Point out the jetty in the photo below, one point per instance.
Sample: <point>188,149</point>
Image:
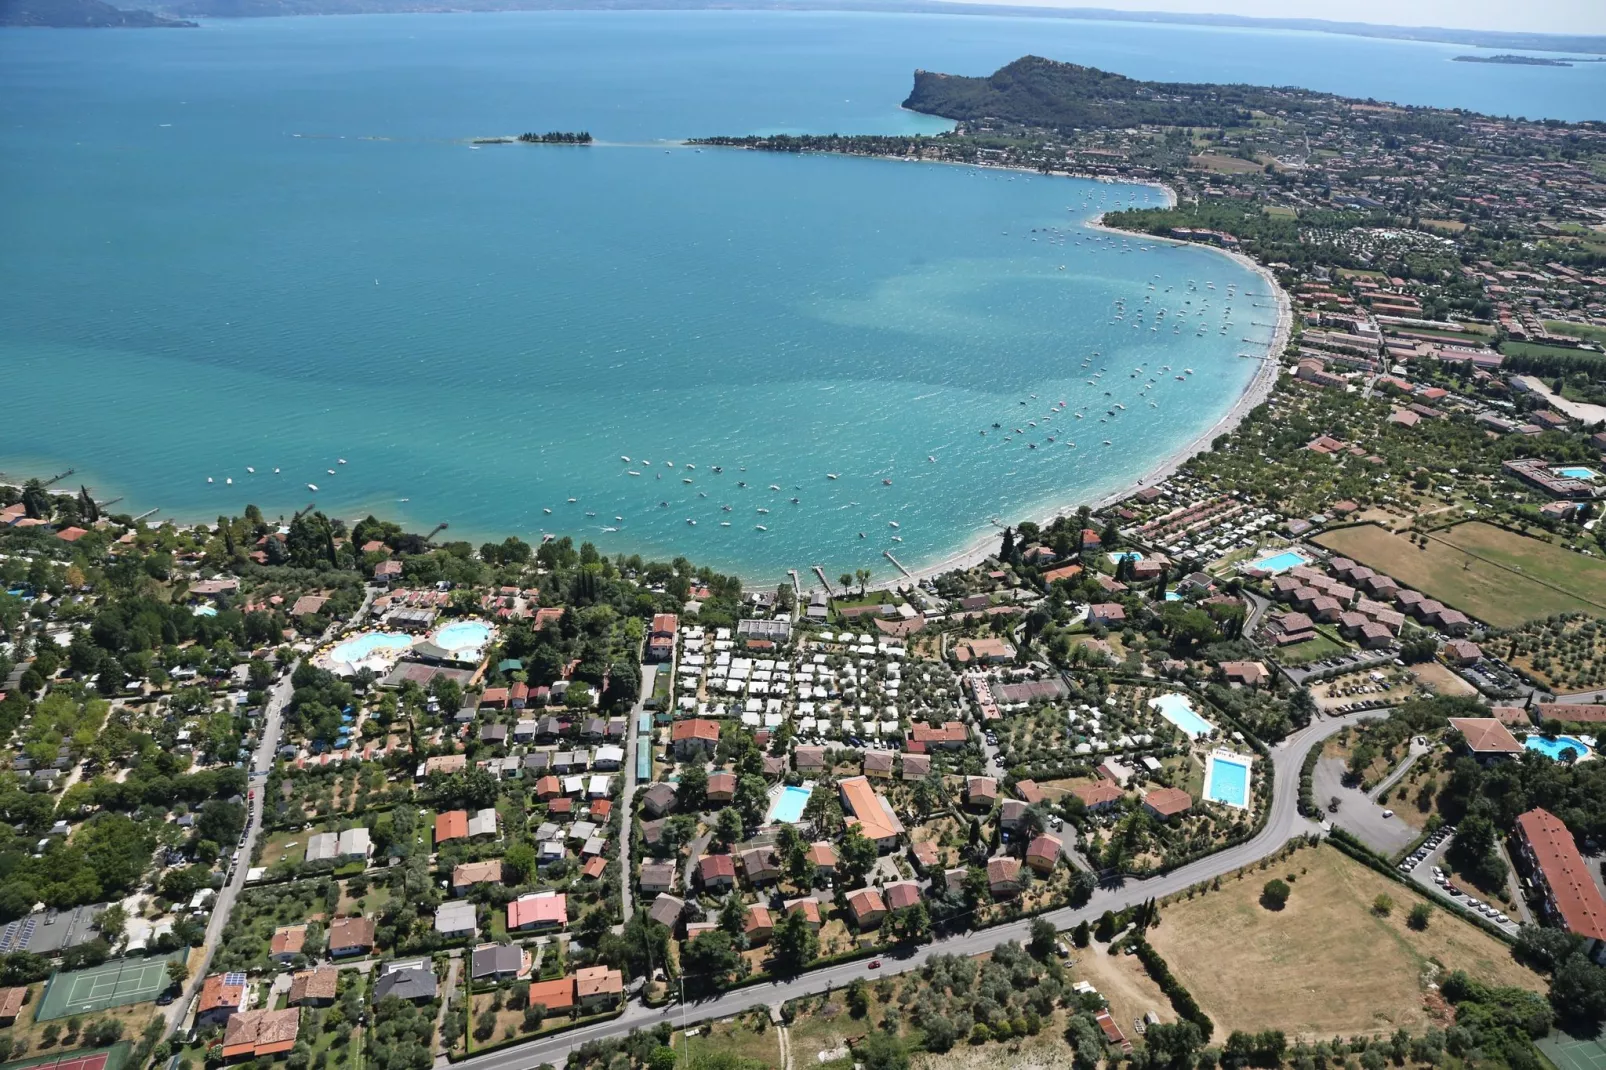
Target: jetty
<point>797,588</point>
<point>820,572</point>
<point>147,513</point>
<point>897,564</point>
<point>53,480</point>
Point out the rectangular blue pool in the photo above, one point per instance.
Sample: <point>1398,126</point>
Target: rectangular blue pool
<point>1280,562</point>
<point>1577,472</point>
<point>1227,780</point>
<point>788,806</point>
<point>1180,712</point>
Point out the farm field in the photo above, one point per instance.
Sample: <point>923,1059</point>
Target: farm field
<point>1325,964</point>
<point>1486,572</point>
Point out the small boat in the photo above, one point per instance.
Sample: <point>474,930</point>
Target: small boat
<point>724,523</point>
<point>794,501</point>
<point>340,460</point>
<point>690,521</point>
<point>625,459</point>
<point>404,499</point>
<point>685,481</point>
<point>693,467</point>
<point>229,481</point>
<point>861,535</point>
<point>886,482</point>
<point>632,473</point>
<point>763,510</point>
<point>310,486</point>
<point>930,458</point>
<point>253,471</point>
<point>1107,442</point>
<point>831,475</point>
<point>209,479</point>
<point>331,471</point>
<point>590,514</point>
<point>573,500</point>
<point>774,486</point>
<point>892,523</point>
<point>548,512</point>
<point>716,468</point>
<point>726,508</point>
<point>275,471</point>
<point>605,530</point>
<point>897,538</point>
<point>760,527</point>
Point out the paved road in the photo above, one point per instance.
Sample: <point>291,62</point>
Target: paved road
<point>1416,751</point>
<point>649,676</point>
<point>1283,824</point>
<point>261,762</point>
<point>261,765</point>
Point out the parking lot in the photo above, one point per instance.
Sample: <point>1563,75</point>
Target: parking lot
<point>1425,866</point>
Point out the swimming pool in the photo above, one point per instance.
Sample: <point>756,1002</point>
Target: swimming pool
<point>787,809</point>
<point>463,637</point>
<point>1577,472</point>
<point>382,646</point>
<point>1553,748</point>
<point>1227,780</point>
<point>1180,712</point>
<point>1125,555</point>
<point>1172,596</point>
<point>204,611</point>
<point>1280,562</point>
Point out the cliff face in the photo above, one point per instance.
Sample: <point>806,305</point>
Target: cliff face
<point>1034,91</point>
<point>80,14</point>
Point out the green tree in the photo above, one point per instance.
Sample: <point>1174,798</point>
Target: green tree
<point>856,856</point>
<point>795,943</point>
<point>1419,916</point>
<point>1044,937</point>
<point>1274,896</point>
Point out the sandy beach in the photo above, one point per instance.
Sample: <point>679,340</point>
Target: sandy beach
<point>1255,392</point>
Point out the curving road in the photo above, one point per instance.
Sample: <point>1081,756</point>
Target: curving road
<point>1282,825</point>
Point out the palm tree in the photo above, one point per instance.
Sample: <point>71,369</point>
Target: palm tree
<point>863,576</point>
<point>844,581</point>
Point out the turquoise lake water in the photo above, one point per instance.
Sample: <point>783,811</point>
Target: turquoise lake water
<point>190,288</point>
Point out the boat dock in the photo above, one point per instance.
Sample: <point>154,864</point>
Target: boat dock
<point>147,513</point>
<point>820,572</point>
<point>897,564</point>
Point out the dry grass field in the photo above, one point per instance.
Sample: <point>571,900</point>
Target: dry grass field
<point>1325,964</point>
<point>1484,571</point>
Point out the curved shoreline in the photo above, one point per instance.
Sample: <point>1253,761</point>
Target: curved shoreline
<point>1255,392</point>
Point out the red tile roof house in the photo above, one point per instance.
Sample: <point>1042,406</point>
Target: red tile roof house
<point>822,856</point>
<point>950,735</point>
<point>661,637</point>
<point>288,940</point>
<point>758,925</point>
<point>866,907</point>
<point>980,792</point>
<point>901,895</point>
<point>1106,614</point>
<point>721,787</point>
<point>1167,802</point>
<point>1247,673</point>
<point>1043,853</point>
<point>538,910</point>
<point>694,737</point>
<point>760,865</point>
<point>452,825</point>
<point>1486,738</point>
<point>350,936</point>
<point>1003,877</point>
<point>1561,877</point>
<point>1462,652</point>
<point>1100,796</point>
<point>809,907</point>
<point>219,1001</point>
<point>716,872</point>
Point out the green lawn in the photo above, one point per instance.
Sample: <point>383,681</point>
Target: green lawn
<point>1325,645</point>
<point>1534,349</point>
<point>1585,331</point>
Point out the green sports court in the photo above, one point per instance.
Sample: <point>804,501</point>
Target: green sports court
<point>1570,1053</point>
<point>111,984</point>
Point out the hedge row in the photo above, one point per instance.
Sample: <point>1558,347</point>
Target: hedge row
<point>1182,1000</point>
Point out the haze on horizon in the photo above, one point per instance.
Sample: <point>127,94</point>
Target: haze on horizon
<point>1535,16</point>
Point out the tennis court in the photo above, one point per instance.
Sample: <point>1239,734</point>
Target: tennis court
<point>112,984</point>
<point>1571,1053</point>
<point>111,1058</point>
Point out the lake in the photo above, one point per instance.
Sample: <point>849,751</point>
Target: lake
<point>267,244</point>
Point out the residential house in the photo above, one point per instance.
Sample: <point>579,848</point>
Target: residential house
<point>1562,879</point>
<point>1165,803</point>
<point>314,988</point>
<point>497,962</point>
<point>1003,877</point>
<point>411,980</point>
<point>222,996</point>
<point>467,875</point>
<point>696,737</point>
<point>870,812</point>
<point>287,942</point>
<point>538,911</point>
<point>866,907</point>
<point>716,873</point>
<point>258,1034</point>
<point>657,877</point>
<point>1486,738</point>
<point>455,919</point>
<point>1043,853</point>
<point>598,987</point>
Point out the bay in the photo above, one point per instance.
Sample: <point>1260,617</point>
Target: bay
<point>268,244</point>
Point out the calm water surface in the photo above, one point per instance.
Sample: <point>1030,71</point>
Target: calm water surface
<point>266,243</point>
